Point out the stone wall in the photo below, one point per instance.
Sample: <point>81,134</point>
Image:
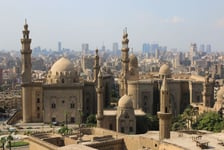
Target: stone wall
<point>37,144</point>
<point>68,141</point>
<point>167,146</point>
<point>109,145</point>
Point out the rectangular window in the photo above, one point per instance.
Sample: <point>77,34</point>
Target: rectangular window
<point>72,105</point>
<point>53,105</point>
<point>72,119</point>
<point>38,100</point>
<point>111,127</point>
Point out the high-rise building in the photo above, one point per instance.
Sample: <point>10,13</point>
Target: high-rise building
<point>193,52</point>
<point>85,48</point>
<point>59,46</point>
<point>153,48</point>
<point>145,48</point>
<point>202,48</point>
<point>115,49</point>
<point>208,48</point>
<point>103,48</point>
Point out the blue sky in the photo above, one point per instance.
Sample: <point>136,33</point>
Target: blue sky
<point>171,23</point>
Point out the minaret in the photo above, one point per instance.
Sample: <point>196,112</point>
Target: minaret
<point>99,91</point>
<point>165,113</point>
<point>208,92</point>
<point>125,62</point>
<point>96,67</point>
<point>26,55</point>
<point>26,75</point>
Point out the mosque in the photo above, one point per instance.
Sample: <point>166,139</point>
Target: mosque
<point>63,97</point>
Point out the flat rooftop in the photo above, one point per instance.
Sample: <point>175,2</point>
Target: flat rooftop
<point>215,141</point>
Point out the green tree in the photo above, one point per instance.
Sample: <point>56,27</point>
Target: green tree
<point>9,139</point>
<point>152,122</point>
<point>178,123</point>
<point>64,130</point>
<point>147,122</point>
<point>3,141</point>
<point>210,121</point>
<point>91,119</point>
<point>185,120</point>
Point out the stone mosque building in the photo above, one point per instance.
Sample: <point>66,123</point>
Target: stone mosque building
<point>63,97</point>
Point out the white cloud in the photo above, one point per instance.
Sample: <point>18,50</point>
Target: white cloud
<point>174,20</point>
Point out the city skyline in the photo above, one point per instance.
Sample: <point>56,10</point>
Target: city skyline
<point>174,23</point>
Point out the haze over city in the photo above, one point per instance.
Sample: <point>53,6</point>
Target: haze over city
<point>172,23</point>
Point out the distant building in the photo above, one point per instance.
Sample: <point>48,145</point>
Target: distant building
<point>208,48</point>
<point>87,63</point>
<point>145,48</point>
<point>115,49</point>
<point>85,48</point>
<point>1,75</point>
<point>193,52</point>
<point>202,48</point>
<point>153,48</point>
<point>59,46</point>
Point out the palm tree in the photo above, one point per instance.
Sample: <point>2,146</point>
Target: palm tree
<point>3,141</point>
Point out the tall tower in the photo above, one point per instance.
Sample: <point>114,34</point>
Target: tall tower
<point>125,62</point>
<point>208,92</point>
<point>59,46</point>
<point>26,75</point>
<point>96,67</point>
<point>165,113</point>
<point>193,52</point>
<point>99,91</point>
<point>26,55</point>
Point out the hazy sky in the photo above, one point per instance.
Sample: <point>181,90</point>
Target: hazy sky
<point>174,23</point>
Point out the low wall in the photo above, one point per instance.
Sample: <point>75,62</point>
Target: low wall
<point>37,144</point>
<point>111,144</point>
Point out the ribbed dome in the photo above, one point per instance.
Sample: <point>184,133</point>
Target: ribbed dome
<point>125,102</point>
<point>164,70</point>
<point>62,65</point>
<point>133,61</point>
<point>220,94</point>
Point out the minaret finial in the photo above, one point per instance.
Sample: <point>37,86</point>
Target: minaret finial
<point>25,21</point>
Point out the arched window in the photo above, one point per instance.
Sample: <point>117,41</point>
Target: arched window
<point>62,80</point>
